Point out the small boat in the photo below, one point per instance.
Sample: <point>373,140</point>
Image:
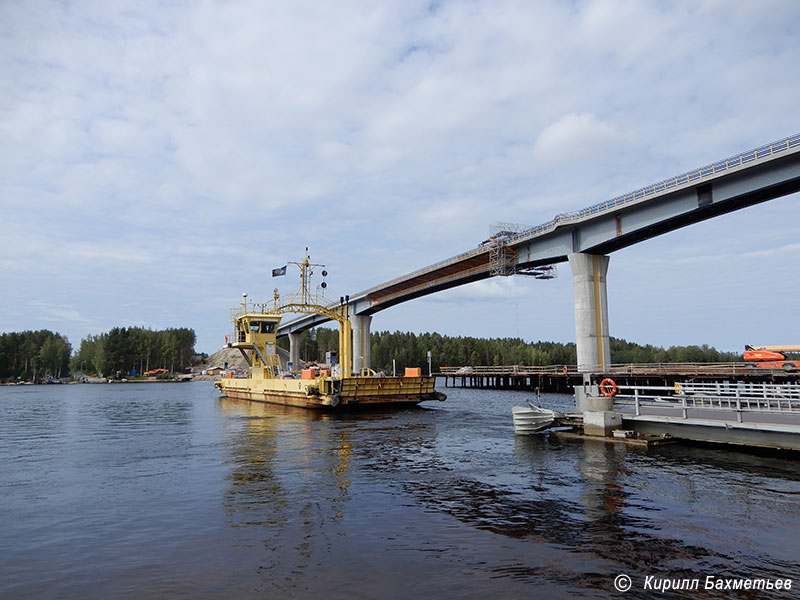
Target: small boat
<point>530,419</point>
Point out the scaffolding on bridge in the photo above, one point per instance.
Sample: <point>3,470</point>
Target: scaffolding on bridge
<point>503,257</point>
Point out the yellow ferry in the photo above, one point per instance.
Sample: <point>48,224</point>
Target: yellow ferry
<point>255,335</point>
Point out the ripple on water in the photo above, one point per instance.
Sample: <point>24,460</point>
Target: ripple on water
<point>166,490</point>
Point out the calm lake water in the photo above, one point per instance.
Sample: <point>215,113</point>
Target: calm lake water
<point>168,491</point>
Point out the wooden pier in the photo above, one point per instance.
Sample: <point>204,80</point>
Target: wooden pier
<point>514,377</point>
<point>563,378</point>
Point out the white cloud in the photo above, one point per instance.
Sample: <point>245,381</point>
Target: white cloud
<point>575,137</point>
<point>214,138</point>
<point>64,315</point>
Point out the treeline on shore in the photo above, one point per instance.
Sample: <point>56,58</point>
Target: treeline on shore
<point>41,355</point>
<point>411,350</point>
<point>34,355</point>
<point>130,350</point>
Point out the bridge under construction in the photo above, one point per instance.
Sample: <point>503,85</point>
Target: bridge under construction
<point>585,238</point>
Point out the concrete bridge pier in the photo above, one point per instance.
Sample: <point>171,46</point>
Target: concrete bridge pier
<point>294,349</point>
<point>361,342</point>
<point>592,341</point>
<point>591,311</point>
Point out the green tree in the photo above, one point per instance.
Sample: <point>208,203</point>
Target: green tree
<point>33,355</point>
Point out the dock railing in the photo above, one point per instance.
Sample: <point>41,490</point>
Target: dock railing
<point>507,370</point>
<point>739,397</point>
<point>684,369</point>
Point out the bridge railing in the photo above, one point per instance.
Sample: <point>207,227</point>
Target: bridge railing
<point>744,158</point>
<point>428,269</point>
<point>732,162</point>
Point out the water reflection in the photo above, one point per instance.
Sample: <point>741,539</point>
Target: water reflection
<point>544,509</point>
<point>289,483</point>
<point>169,491</point>
<point>601,465</point>
<point>582,509</point>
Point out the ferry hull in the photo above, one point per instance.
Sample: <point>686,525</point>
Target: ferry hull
<point>334,394</point>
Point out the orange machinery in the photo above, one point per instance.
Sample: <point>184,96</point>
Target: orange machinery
<point>772,355</point>
<point>155,372</point>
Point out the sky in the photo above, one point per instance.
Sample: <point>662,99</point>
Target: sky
<point>159,159</point>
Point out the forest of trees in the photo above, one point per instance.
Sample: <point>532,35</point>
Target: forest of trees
<point>29,355</point>
<point>128,349</point>
<point>41,355</point>
<point>410,350</point>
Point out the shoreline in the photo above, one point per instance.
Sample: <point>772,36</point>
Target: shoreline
<point>97,380</point>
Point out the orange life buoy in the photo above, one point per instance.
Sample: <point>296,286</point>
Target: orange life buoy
<point>565,369</point>
<point>608,388</point>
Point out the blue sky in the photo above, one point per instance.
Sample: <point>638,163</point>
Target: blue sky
<point>159,159</point>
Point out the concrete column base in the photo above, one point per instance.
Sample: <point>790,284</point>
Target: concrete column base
<point>601,423</point>
<point>294,350</point>
<point>361,342</point>
<point>599,403</point>
<point>591,311</point>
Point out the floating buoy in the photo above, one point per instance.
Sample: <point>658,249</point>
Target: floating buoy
<point>608,388</point>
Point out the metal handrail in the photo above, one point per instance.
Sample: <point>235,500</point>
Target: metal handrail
<point>686,368</point>
<point>737,397</point>
<point>741,389</point>
<point>508,370</point>
<point>615,370</point>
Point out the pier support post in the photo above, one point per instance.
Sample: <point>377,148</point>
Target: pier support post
<point>591,311</point>
<point>294,350</point>
<point>361,342</point>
